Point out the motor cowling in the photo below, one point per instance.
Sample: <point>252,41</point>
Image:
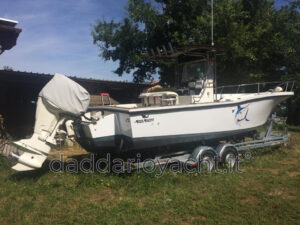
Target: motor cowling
<point>60,100</point>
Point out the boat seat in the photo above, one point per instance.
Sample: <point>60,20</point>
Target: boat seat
<point>163,98</point>
<point>169,101</point>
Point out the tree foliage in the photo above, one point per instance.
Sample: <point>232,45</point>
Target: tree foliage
<point>7,68</point>
<point>261,42</point>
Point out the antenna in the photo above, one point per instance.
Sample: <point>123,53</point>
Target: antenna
<point>212,23</point>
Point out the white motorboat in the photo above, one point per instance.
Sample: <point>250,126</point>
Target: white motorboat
<point>198,112</point>
<point>133,127</point>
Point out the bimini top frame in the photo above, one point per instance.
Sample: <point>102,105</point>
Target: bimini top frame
<point>180,54</point>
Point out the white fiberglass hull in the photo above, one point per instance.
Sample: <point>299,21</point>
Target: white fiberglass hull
<point>142,128</point>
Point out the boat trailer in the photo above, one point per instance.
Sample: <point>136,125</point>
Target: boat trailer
<point>227,153</point>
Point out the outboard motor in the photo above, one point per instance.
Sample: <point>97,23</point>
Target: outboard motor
<point>60,100</point>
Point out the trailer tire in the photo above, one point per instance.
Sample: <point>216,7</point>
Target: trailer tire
<point>229,157</point>
<point>207,161</point>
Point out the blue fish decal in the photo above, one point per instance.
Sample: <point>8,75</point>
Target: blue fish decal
<point>241,114</point>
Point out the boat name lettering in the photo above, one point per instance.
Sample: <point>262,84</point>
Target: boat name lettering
<point>149,120</point>
<point>145,120</point>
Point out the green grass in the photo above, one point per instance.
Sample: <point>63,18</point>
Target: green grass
<point>267,192</point>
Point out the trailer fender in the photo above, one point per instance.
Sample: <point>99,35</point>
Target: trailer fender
<point>200,151</point>
<point>205,157</point>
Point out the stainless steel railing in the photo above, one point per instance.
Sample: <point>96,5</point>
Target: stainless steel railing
<point>286,86</point>
<point>255,87</point>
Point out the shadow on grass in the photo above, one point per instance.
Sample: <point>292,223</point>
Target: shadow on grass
<point>32,174</point>
<point>266,151</point>
<point>36,174</point>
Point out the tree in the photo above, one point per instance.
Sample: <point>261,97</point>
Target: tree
<point>287,53</point>
<point>261,42</point>
<point>149,25</point>
<point>7,68</point>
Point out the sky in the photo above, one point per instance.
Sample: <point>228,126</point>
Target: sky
<point>56,36</point>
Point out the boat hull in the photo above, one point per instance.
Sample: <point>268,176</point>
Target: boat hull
<point>123,130</point>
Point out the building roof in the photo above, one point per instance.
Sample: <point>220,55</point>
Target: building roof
<point>8,34</point>
<point>7,22</point>
<point>20,76</point>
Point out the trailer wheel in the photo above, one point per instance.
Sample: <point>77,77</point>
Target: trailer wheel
<point>207,161</point>
<point>229,157</point>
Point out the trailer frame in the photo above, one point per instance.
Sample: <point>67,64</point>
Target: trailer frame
<point>226,152</point>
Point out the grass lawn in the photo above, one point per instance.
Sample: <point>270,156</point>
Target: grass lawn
<point>267,192</point>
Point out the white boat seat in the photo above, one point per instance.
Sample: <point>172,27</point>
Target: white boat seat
<point>159,98</point>
<point>169,101</point>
